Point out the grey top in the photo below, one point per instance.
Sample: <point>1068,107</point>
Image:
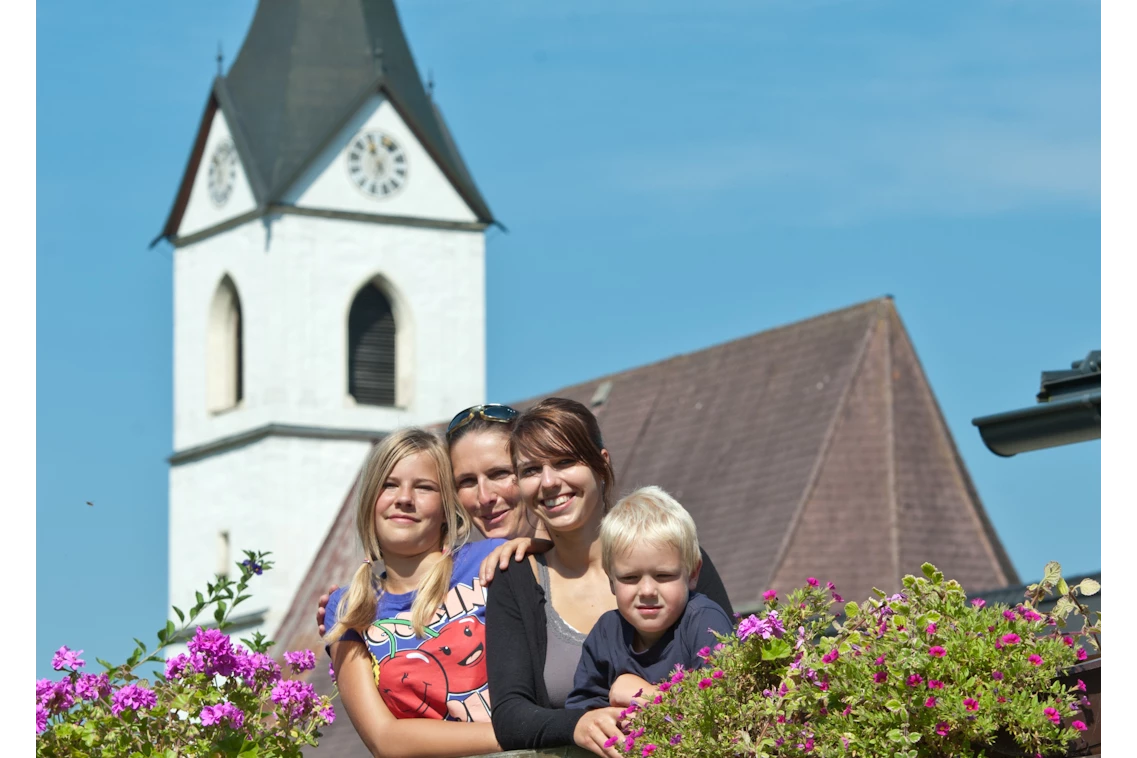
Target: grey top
<point>564,645</point>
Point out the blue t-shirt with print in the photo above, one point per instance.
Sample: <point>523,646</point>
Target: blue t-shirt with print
<point>441,675</point>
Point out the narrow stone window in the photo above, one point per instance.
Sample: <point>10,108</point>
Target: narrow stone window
<point>371,348</point>
<point>224,360</point>
<point>223,557</point>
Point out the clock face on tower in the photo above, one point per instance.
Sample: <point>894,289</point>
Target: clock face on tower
<point>222,172</point>
<point>376,164</point>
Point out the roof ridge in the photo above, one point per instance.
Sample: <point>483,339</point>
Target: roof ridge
<point>826,445</point>
<point>863,305</point>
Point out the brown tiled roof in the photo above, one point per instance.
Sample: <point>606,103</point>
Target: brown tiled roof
<point>813,449</point>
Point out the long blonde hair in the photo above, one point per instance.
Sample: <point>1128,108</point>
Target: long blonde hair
<point>357,607</point>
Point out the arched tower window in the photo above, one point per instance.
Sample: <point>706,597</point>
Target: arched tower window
<point>224,363</point>
<point>371,348</point>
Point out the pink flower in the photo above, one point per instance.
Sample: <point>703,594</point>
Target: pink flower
<point>328,714</point>
<point>936,651</point>
<point>930,702</point>
<point>1052,714</point>
<point>300,660</point>
<point>1080,686</point>
<point>831,656</point>
<point>879,661</point>
<point>1082,654</point>
<point>942,728</point>
<point>675,739</point>
<point>935,684</point>
<point>997,676</point>
<point>812,582</point>
<point>931,629</point>
<point>1009,615</point>
<point>664,686</point>
<point>92,687</point>
<point>212,715</point>
<point>978,602</point>
<point>67,659</point>
<point>704,653</point>
<point>41,719</point>
<point>1010,639</point>
<point>717,674</point>
<point>915,680</point>
<point>837,598</point>
<point>770,595</point>
<point>1068,641</point>
<point>611,740</point>
<point>1079,725</point>
<point>1035,659</point>
<point>879,677</point>
<point>648,750</point>
<point>134,697</point>
<point>704,683</point>
<point>294,699</point>
<point>971,704</point>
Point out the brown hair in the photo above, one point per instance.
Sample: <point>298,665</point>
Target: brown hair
<point>560,428</point>
<point>357,606</point>
<point>479,425</point>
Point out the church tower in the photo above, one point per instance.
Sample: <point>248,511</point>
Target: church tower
<point>328,288</point>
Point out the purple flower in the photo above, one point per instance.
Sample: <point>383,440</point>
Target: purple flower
<point>214,714</point>
<point>294,698</point>
<point>331,671</point>
<point>67,659</point>
<point>675,739</point>
<point>915,680</point>
<point>942,728</point>
<point>936,651</point>
<point>41,719</point>
<point>328,714</point>
<point>997,676</point>
<point>134,697</point>
<point>831,656</point>
<point>216,649</point>
<point>253,566</point>
<point>60,698</point>
<point>978,602</point>
<point>837,598</point>
<point>43,686</point>
<point>92,687</point>
<point>302,660</point>
<point>768,627</point>
<point>879,661</point>
<point>812,582</point>
<point>879,677</point>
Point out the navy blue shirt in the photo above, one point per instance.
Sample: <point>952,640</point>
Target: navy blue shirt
<point>608,653</point>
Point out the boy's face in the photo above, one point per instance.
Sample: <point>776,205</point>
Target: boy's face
<point>651,589</point>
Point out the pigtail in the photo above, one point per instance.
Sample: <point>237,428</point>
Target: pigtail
<point>431,594</point>
<point>357,606</point>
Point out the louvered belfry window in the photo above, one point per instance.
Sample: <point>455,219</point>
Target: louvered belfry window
<point>371,348</point>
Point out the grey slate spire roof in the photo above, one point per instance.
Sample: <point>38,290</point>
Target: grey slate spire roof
<point>305,68</point>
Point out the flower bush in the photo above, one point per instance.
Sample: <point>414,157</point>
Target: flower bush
<point>919,673</point>
<point>216,699</point>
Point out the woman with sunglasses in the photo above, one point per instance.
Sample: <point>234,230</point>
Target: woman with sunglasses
<point>538,615</point>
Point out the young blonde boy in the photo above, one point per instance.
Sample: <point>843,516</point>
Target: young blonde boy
<point>650,550</point>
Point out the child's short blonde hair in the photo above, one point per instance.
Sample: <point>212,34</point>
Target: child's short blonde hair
<point>650,515</point>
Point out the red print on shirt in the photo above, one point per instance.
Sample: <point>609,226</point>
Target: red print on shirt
<point>461,649</point>
<point>413,685</point>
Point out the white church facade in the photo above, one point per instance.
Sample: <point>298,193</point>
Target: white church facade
<point>329,257</point>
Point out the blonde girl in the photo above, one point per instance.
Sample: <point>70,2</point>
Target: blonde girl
<point>408,643</point>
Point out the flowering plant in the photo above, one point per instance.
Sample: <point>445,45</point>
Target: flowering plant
<point>919,673</point>
<point>216,699</point>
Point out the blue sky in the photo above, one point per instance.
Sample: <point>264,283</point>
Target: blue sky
<point>681,177</point>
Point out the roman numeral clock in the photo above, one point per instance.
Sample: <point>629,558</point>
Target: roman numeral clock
<point>376,164</point>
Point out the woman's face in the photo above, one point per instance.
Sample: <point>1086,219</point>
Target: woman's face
<point>487,486</point>
<point>564,493</point>
<point>408,511</point>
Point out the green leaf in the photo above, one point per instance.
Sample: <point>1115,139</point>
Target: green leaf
<point>851,609</point>
<point>894,705</point>
<point>140,643</point>
<point>913,738</point>
<point>894,734</point>
<point>929,571</point>
<point>107,666</point>
<point>1052,573</point>
<point>1063,588</point>
<point>200,599</point>
<point>181,616</point>
<point>776,649</point>
<point>1089,587</point>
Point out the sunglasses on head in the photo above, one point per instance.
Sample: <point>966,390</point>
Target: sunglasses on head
<point>489,411</point>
